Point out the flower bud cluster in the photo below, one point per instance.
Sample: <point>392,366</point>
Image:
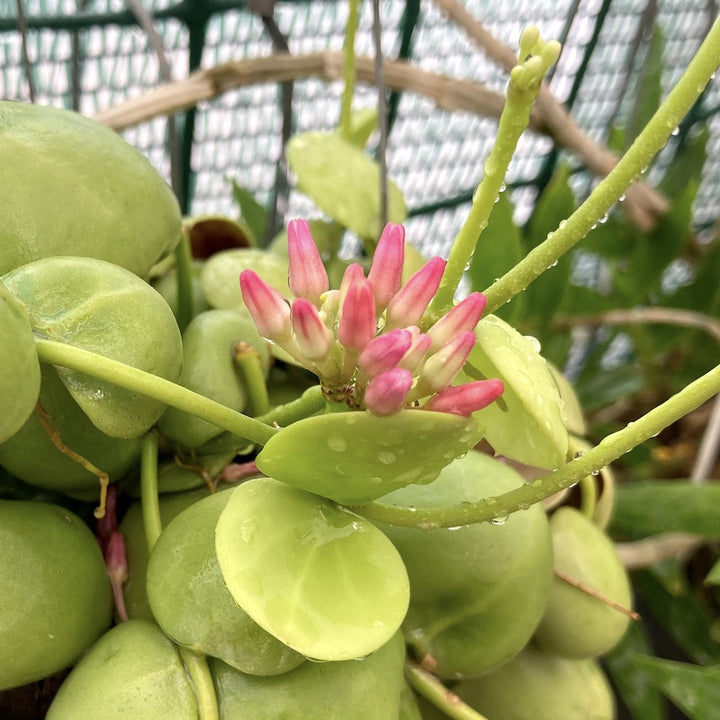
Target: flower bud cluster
<point>362,340</point>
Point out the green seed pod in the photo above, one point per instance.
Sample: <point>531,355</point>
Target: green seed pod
<point>133,671</point>
<point>71,186</point>
<point>540,686</point>
<point>575,624</point>
<point>54,591</point>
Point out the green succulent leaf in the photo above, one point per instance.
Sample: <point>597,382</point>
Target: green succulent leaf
<point>220,273</point>
<point>19,366</point>
<point>251,211</point>
<point>695,690</point>
<point>324,581</point>
<point>355,457</point>
<point>103,308</point>
<point>656,506</point>
<point>343,182</point>
<point>527,424</point>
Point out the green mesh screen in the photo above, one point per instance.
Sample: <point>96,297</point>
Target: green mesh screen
<point>92,54</point>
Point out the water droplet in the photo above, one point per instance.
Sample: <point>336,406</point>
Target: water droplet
<point>595,473</point>
<point>429,526</point>
<point>337,442</point>
<point>386,457</point>
<point>562,224</point>
<point>537,483</point>
<point>500,519</point>
<point>247,530</point>
<point>577,455</point>
<point>603,219</point>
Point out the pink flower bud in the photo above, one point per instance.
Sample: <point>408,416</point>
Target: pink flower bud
<point>117,570</point>
<point>466,399</point>
<point>418,349</point>
<point>387,265</point>
<point>384,352</point>
<point>464,316</point>
<point>386,393</point>
<point>306,275</point>
<point>410,302</point>
<point>268,309</point>
<point>357,316</point>
<point>312,337</point>
<point>441,368</point>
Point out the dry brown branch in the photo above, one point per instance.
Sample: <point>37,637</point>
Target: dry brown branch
<point>648,551</point>
<point>644,315</point>
<point>643,204</point>
<point>204,85</point>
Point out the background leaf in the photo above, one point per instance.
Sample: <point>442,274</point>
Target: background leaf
<point>252,212</point>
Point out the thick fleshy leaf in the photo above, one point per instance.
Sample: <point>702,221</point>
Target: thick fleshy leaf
<point>324,581</point>
<point>343,182</point>
<point>369,689</point>
<point>19,366</point>
<point>220,273</point>
<point>695,690</point>
<point>527,424</point>
<point>103,308</point>
<point>641,698</point>
<point>251,211</point>
<point>650,507</point>
<point>355,457</point>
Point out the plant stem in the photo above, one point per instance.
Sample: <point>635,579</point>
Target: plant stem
<point>309,403</point>
<point>247,360</point>
<point>149,490</point>
<point>629,168</point>
<point>132,378</point>
<point>195,663</point>
<point>427,685</point>
<point>349,69</point>
<point>514,120</point>
<point>610,448</point>
<point>184,280</point>
<point>197,667</point>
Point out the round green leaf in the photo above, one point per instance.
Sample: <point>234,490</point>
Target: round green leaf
<point>103,308</point>
<point>209,368</point>
<point>19,366</point>
<point>72,186</point>
<point>220,275</point>
<point>527,424</point>
<point>369,689</point>
<point>324,581</point>
<point>356,457</point>
<point>343,182</point>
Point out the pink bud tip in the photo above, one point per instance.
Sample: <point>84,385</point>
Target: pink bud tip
<point>386,393</point>
<point>357,320</point>
<point>268,309</point>
<point>387,265</point>
<point>464,316</point>
<point>441,368</point>
<point>312,337</point>
<point>306,276</point>
<point>384,352</point>
<point>466,399</point>
<point>416,354</point>
<point>410,302</point>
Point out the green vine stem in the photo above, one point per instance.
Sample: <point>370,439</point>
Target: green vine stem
<point>149,490</point>
<point>184,280</point>
<point>195,663</point>
<point>309,403</point>
<point>535,59</point>
<point>349,69</point>
<point>610,448</point>
<point>427,685</point>
<point>248,362</point>
<point>608,191</point>
<point>131,378</point>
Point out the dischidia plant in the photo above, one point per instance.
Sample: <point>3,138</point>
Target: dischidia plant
<point>371,554</point>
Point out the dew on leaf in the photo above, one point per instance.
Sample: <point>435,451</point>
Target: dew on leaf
<point>499,519</point>
<point>337,442</point>
<point>386,457</point>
